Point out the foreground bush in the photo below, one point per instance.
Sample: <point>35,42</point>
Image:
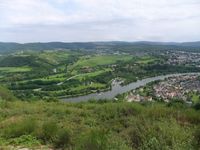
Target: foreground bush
<point>63,139</point>
<point>49,131</point>
<point>7,95</point>
<point>99,126</point>
<point>19,128</point>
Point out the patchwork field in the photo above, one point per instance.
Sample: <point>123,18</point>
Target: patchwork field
<point>15,69</point>
<point>52,74</point>
<point>33,115</point>
<point>93,61</point>
<point>147,59</point>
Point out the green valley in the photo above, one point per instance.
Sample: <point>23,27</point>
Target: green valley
<point>34,85</point>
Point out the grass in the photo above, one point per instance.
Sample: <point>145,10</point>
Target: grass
<point>146,60</point>
<point>101,60</point>
<point>63,76</point>
<point>98,125</point>
<point>195,98</point>
<point>90,86</point>
<point>54,57</point>
<point>59,77</point>
<point>91,74</point>
<point>15,69</point>
<point>56,77</point>
<point>65,71</point>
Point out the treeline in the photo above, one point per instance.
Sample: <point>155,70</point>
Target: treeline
<point>132,72</point>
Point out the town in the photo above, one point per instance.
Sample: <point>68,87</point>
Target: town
<point>182,58</point>
<point>183,87</point>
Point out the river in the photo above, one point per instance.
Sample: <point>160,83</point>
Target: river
<point>118,89</point>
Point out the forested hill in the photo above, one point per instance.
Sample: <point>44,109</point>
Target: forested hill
<point>10,47</point>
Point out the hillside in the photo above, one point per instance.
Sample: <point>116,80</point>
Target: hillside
<point>39,119</point>
<point>98,125</point>
<point>19,61</point>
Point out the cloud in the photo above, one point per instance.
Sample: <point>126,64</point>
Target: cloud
<point>91,20</point>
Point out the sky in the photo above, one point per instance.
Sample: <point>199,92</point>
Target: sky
<point>99,20</point>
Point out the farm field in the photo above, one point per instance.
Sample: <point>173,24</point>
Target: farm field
<point>147,59</point>
<point>54,74</point>
<point>93,61</point>
<point>15,69</point>
<point>33,115</point>
<point>51,72</point>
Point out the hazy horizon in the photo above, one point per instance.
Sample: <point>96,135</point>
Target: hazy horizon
<point>165,42</point>
<point>28,21</point>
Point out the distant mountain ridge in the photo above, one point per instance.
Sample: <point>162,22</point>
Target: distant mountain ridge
<point>10,47</point>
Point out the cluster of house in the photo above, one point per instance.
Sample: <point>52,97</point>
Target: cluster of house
<point>177,87</point>
<point>180,57</point>
<point>132,96</point>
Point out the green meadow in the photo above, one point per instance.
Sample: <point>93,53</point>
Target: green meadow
<point>98,60</point>
<point>15,69</point>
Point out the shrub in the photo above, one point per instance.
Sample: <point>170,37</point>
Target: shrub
<point>94,140</point>
<point>135,138</point>
<point>155,135</point>
<point>5,94</point>
<point>49,131</point>
<point>23,127</point>
<point>4,103</point>
<point>117,143</point>
<point>152,144</point>
<point>176,103</point>
<point>63,139</point>
<point>197,137</point>
<point>197,106</point>
<point>167,135</point>
<point>107,126</point>
<point>26,140</point>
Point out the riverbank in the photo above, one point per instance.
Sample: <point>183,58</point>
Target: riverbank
<point>118,89</point>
